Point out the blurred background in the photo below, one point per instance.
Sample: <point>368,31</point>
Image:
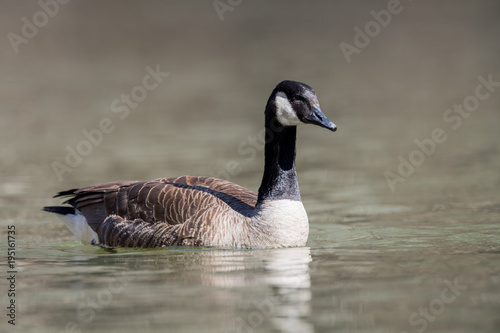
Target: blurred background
<point>65,78</point>
<point>66,67</point>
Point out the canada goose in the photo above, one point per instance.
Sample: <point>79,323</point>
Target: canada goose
<point>204,211</point>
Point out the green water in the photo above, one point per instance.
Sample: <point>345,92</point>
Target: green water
<point>373,260</point>
<point>420,255</point>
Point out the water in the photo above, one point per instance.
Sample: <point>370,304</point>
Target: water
<point>422,256</point>
<point>373,260</point>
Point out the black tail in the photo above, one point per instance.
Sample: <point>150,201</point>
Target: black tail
<point>59,210</point>
<point>65,193</point>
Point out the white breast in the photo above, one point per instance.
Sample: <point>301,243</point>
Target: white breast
<point>284,223</point>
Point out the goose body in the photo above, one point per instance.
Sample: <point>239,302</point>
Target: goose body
<point>205,211</point>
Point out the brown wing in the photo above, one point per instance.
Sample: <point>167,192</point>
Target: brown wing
<point>170,201</point>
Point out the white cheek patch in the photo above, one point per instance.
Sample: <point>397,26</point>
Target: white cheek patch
<point>284,111</point>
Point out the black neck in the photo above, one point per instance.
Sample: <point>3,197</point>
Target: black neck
<point>280,178</point>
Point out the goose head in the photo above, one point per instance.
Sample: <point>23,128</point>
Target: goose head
<point>294,103</point>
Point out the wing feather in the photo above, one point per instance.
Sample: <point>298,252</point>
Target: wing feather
<point>112,208</point>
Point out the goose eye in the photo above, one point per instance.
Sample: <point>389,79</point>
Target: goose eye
<point>296,98</point>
